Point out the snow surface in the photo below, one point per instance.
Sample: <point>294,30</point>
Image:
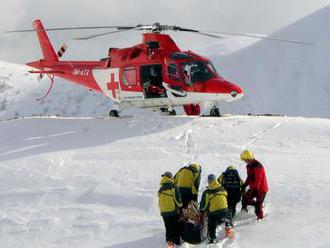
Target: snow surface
<point>70,182</point>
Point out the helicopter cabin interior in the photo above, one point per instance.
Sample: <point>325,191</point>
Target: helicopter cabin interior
<point>152,79</point>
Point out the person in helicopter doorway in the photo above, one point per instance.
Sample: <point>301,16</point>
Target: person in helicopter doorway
<point>154,87</point>
<point>187,179</point>
<point>233,183</point>
<point>169,203</point>
<point>257,182</point>
<point>214,203</point>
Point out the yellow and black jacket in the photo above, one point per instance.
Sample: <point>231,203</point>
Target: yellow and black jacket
<point>214,199</point>
<point>169,198</point>
<point>188,178</point>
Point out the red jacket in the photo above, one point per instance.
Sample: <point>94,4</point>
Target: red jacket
<point>256,176</point>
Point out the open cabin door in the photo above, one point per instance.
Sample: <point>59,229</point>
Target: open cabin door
<point>173,77</point>
<point>152,81</point>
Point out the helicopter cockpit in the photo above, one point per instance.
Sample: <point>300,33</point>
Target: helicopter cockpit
<point>197,71</point>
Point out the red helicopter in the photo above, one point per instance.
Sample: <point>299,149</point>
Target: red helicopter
<point>153,74</point>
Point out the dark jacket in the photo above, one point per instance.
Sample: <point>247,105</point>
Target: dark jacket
<point>230,179</point>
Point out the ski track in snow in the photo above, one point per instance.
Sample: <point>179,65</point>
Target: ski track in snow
<point>188,143</point>
<point>23,149</point>
<point>255,137</point>
<point>50,136</point>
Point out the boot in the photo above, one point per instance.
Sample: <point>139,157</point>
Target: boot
<point>170,244</point>
<point>244,209</point>
<point>229,232</point>
<point>211,241</point>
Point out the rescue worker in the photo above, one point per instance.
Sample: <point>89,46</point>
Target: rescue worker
<point>232,182</point>
<point>257,182</point>
<point>169,202</point>
<point>154,87</point>
<point>187,179</point>
<point>214,203</point>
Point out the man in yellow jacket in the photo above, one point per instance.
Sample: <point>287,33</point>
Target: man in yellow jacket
<point>214,202</point>
<point>187,179</point>
<point>169,202</point>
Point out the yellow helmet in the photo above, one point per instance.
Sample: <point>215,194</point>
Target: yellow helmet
<point>246,155</point>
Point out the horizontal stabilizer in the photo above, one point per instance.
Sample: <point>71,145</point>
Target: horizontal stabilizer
<point>46,72</point>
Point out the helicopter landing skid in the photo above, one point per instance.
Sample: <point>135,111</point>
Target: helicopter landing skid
<point>51,78</point>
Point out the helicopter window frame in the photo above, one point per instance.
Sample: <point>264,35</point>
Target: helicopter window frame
<point>173,75</point>
<point>213,69</point>
<point>129,76</point>
<point>181,55</point>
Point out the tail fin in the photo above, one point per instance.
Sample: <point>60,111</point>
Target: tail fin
<point>46,46</point>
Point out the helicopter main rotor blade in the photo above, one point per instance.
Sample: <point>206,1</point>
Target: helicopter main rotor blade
<point>176,28</point>
<point>99,35</point>
<point>120,29</point>
<point>72,28</point>
<point>261,37</point>
<point>211,35</point>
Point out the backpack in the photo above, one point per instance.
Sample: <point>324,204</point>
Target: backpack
<point>231,180</point>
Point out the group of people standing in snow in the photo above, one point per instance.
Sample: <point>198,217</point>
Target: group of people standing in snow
<point>218,201</point>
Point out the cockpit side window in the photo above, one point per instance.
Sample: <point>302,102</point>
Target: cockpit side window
<point>196,71</point>
<point>173,72</point>
<point>213,69</point>
<point>129,76</point>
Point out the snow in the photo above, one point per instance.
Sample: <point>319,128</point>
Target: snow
<point>84,182</point>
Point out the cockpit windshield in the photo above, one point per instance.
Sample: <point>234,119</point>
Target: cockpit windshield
<point>197,71</point>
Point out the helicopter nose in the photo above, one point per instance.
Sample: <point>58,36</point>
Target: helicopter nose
<point>222,86</point>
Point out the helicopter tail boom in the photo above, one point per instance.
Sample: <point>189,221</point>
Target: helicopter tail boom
<point>46,46</point>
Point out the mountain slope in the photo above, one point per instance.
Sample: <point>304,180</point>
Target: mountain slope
<point>19,91</point>
<point>284,78</point>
